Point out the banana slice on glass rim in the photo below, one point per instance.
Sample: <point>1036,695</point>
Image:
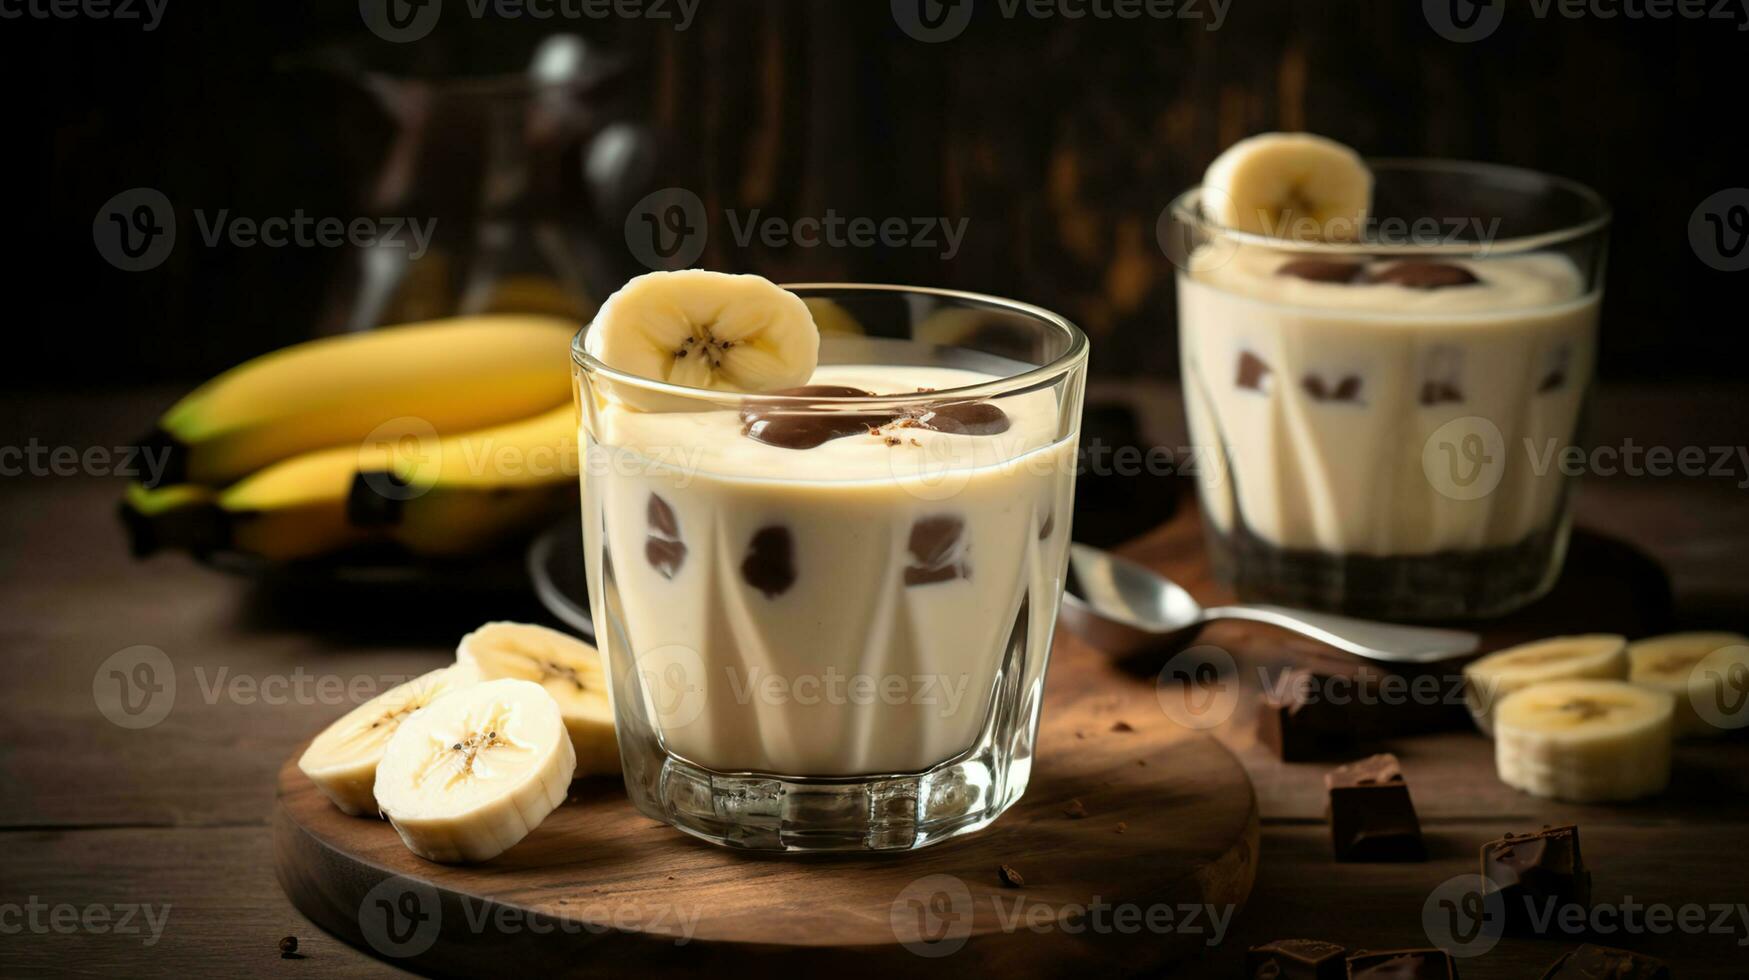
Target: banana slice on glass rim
<point>342,761</point>
<point>1488,680</point>
<point>707,330</point>
<point>1707,673</point>
<point>1584,741</point>
<point>569,669</point>
<point>472,774</point>
<point>1294,186</point>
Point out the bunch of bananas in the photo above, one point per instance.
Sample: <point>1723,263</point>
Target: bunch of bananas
<point>436,439</point>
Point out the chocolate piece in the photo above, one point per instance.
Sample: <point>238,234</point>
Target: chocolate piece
<point>1402,964</point>
<point>939,548</point>
<point>804,428</point>
<point>770,563</point>
<point>1321,270</point>
<point>1010,877</point>
<point>1444,369</point>
<point>1556,377</point>
<point>1371,815</point>
<point>1047,527</point>
<point>1298,725</point>
<point>663,549</point>
<point>1536,876</point>
<point>1346,390</point>
<point>1439,392</point>
<point>1296,959</point>
<point>1425,275</point>
<point>1254,375</point>
<point>1590,962</point>
<point>965,418</point>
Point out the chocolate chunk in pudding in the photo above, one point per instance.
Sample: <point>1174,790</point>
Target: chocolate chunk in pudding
<point>1254,375</point>
<point>965,418</point>
<point>1424,275</point>
<point>797,428</point>
<point>770,565</point>
<point>1346,390</point>
<point>938,549</point>
<point>806,428</point>
<point>1440,392</point>
<point>663,549</point>
<point>1321,270</point>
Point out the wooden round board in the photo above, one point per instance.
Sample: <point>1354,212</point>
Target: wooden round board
<point>1151,875</point>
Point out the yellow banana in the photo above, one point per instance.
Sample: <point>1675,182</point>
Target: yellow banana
<point>454,375</point>
<point>431,497</point>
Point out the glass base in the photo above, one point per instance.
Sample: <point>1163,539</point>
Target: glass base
<point>875,813</point>
<point>1443,585</point>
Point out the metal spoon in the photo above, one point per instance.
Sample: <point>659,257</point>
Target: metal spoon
<point>1120,606</point>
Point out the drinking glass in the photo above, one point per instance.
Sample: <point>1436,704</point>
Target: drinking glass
<point>837,645</point>
<point>1379,419</point>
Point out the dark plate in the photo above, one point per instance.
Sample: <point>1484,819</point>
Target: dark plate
<point>555,566</point>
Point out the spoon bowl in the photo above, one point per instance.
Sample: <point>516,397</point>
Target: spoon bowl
<point>1120,606</point>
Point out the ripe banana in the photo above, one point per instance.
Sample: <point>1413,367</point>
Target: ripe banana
<point>1704,671</point>
<point>569,669</point>
<point>476,491</point>
<point>431,497</point>
<point>470,776</point>
<point>455,375</point>
<point>1492,678</point>
<point>1584,741</point>
<point>707,330</point>
<point>182,514</point>
<point>1289,185</point>
<point>342,761</point>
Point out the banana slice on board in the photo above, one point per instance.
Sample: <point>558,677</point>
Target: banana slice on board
<point>1584,741</point>
<point>1560,658</point>
<point>476,771</point>
<point>707,330</point>
<point>1289,185</point>
<point>342,761</point>
<point>569,669</point>
<point>1707,673</point>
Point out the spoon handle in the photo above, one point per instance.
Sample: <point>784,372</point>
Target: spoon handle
<point>1363,638</point>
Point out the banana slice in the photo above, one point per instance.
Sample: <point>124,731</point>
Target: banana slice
<point>568,668</point>
<point>1289,185</point>
<point>1585,741</point>
<point>707,330</point>
<point>342,761</point>
<point>1488,680</point>
<point>472,774</point>
<point>1701,671</point>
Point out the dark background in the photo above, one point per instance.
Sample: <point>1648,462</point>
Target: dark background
<point>1060,141</point>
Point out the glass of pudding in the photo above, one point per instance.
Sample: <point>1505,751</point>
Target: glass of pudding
<point>827,609</point>
<point>1380,391</point>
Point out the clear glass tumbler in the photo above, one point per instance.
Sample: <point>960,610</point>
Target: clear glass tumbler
<point>827,613</point>
<point>1380,419</point>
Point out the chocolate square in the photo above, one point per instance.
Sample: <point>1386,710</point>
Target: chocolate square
<point>1298,725</point>
<point>1590,962</point>
<point>1371,815</point>
<point>1535,875</point>
<point>1296,959</point>
<point>1402,964</point>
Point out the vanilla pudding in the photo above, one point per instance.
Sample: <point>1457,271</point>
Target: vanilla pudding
<point>1364,408</point>
<point>834,593</point>
<point>1324,395</point>
<point>1382,363</point>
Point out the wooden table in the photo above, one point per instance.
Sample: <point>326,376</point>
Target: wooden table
<point>99,818</point>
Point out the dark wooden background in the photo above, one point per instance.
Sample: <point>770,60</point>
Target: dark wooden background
<point>1059,140</point>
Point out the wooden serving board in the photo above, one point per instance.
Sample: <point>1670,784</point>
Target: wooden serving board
<point>1171,823</point>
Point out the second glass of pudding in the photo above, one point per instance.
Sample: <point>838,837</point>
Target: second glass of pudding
<point>827,613</point>
<point>1380,421</point>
